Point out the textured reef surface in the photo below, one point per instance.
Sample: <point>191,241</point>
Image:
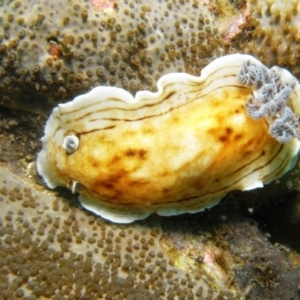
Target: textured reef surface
<point>52,51</point>
<point>247,247</point>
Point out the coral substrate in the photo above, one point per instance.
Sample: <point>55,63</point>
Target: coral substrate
<point>52,51</point>
<point>269,30</point>
<point>55,50</point>
<point>235,253</point>
<point>50,248</point>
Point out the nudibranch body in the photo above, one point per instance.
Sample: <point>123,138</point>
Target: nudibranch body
<point>180,149</point>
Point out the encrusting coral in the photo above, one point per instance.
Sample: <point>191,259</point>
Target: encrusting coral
<point>50,248</point>
<point>269,30</point>
<point>53,51</point>
<point>234,252</point>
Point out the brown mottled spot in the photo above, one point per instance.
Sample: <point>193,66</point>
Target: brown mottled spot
<point>139,153</point>
<point>228,130</point>
<point>95,164</point>
<point>107,184</point>
<point>239,110</point>
<point>111,181</point>
<point>166,190</point>
<point>115,160</point>
<point>238,137</point>
<point>116,176</point>
<point>223,138</point>
<point>226,136</point>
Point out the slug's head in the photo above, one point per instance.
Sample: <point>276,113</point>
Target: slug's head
<point>59,144</point>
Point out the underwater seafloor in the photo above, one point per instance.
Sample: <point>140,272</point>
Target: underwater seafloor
<point>246,247</point>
